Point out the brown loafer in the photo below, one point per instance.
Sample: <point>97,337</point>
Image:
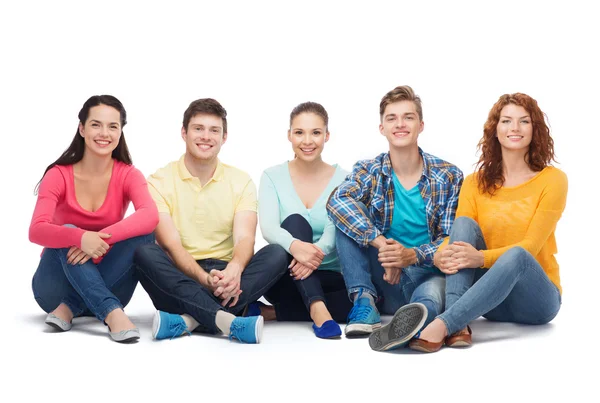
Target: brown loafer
<point>460,339</point>
<point>425,346</point>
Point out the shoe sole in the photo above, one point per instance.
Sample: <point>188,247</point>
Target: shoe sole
<point>407,322</point>
<point>130,339</point>
<point>361,329</point>
<point>258,330</point>
<point>423,349</point>
<point>459,344</point>
<point>57,326</point>
<point>155,324</point>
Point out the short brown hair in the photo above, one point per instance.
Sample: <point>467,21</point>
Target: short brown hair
<point>205,106</point>
<point>401,93</point>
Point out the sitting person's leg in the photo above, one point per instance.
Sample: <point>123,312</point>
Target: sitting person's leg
<point>287,304</point>
<point>263,271</point>
<point>336,296</point>
<point>356,269</point>
<point>429,291</point>
<point>419,291</point>
<point>54,293</point>
<point>514,289</point>
<point>310,288</point>
<point>173,292</point>
<point>118,272</point>
<point>467,230</point>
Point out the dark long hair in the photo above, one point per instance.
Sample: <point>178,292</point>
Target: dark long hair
<point>74,153</point>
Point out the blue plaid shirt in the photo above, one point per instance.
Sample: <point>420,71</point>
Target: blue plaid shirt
<point>371,185</point>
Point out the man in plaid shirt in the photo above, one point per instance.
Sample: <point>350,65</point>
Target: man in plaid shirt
<point>391,214</point>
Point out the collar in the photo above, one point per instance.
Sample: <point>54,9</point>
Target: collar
<point>184,174</point>
<point>386,164</point>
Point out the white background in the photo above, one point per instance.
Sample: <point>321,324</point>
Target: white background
<point>260,59</point>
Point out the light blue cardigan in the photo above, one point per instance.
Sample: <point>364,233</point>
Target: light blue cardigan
<point>277,199</point>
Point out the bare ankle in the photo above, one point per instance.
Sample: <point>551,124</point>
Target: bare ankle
<point>319,313</point>
<point>63,312</point>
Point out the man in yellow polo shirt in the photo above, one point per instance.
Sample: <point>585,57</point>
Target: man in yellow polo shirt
<point>203,271</point>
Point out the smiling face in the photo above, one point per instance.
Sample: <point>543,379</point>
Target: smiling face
<point>204,137</point>
<point>514,130</point>
<point>400,124</point>
<point>102,130</point>
<point>308,135</point>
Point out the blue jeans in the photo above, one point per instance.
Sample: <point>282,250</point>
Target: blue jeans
<point>292,298</point>
<point>515,289</point>
<point>362,270</point>
<point>172,291</point>
<point>88,289</point>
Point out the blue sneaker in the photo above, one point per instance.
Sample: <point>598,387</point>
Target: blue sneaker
<point>328,330</point>
<point>406,324</point>
<point>363,319</point>
<point>247,330</point>
<point>168,326</point>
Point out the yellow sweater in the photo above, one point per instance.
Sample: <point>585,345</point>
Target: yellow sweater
<point>523,215</point>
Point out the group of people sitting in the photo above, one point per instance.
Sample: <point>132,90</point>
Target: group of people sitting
<point>402,234</point>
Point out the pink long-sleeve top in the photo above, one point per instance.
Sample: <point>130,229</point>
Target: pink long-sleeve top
<point>57,205</point>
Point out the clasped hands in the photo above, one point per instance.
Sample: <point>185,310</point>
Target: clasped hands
<point>225,284</point>
<point>456,256</point>
<point>394,257</point>
<point>307,257</point>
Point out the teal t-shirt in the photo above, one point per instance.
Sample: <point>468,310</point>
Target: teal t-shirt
<point>409,220</point>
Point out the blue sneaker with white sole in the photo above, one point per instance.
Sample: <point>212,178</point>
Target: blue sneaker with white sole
<point>168,326</point>
<point>363,318</point>
<point>247,330</point>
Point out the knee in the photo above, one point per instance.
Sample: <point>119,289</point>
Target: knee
<point>144,254</point>
<point>297,225</point>
<point>461,224</point>
<point>143,239</point>
<point>515,258</point>
<point>276,255</point>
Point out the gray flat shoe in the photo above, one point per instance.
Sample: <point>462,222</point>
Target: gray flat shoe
<point>125,336</point>
<point>58,323</point>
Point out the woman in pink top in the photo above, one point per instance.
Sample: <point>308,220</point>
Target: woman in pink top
<point>86,267</point>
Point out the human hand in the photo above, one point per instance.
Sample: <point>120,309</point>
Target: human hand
<point>77,256</point>
<point>299,271</point>
<point>392,275</point>
<point>227,284</point>
<point>464,256</point>
<point>442,259</point>
<point>307,254</point>
<point>393,255</point>
<point>93,244</point>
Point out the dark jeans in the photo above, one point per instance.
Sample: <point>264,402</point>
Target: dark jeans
<point>292,298</point>
<point>88,289</point>
<point>174,292</point>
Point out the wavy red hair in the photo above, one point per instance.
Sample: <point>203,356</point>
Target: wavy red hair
<point>541,150</point>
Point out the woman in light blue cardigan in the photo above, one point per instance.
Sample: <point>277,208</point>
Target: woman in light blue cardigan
<point>292,199</point>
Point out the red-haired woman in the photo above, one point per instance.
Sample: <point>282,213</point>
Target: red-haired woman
<point>499,261</point>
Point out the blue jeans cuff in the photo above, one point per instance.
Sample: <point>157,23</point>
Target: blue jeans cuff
<point>105,311</point>
<point>357,289</point>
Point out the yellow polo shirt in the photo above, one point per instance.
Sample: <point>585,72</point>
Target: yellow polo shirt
<point>203,215</point>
